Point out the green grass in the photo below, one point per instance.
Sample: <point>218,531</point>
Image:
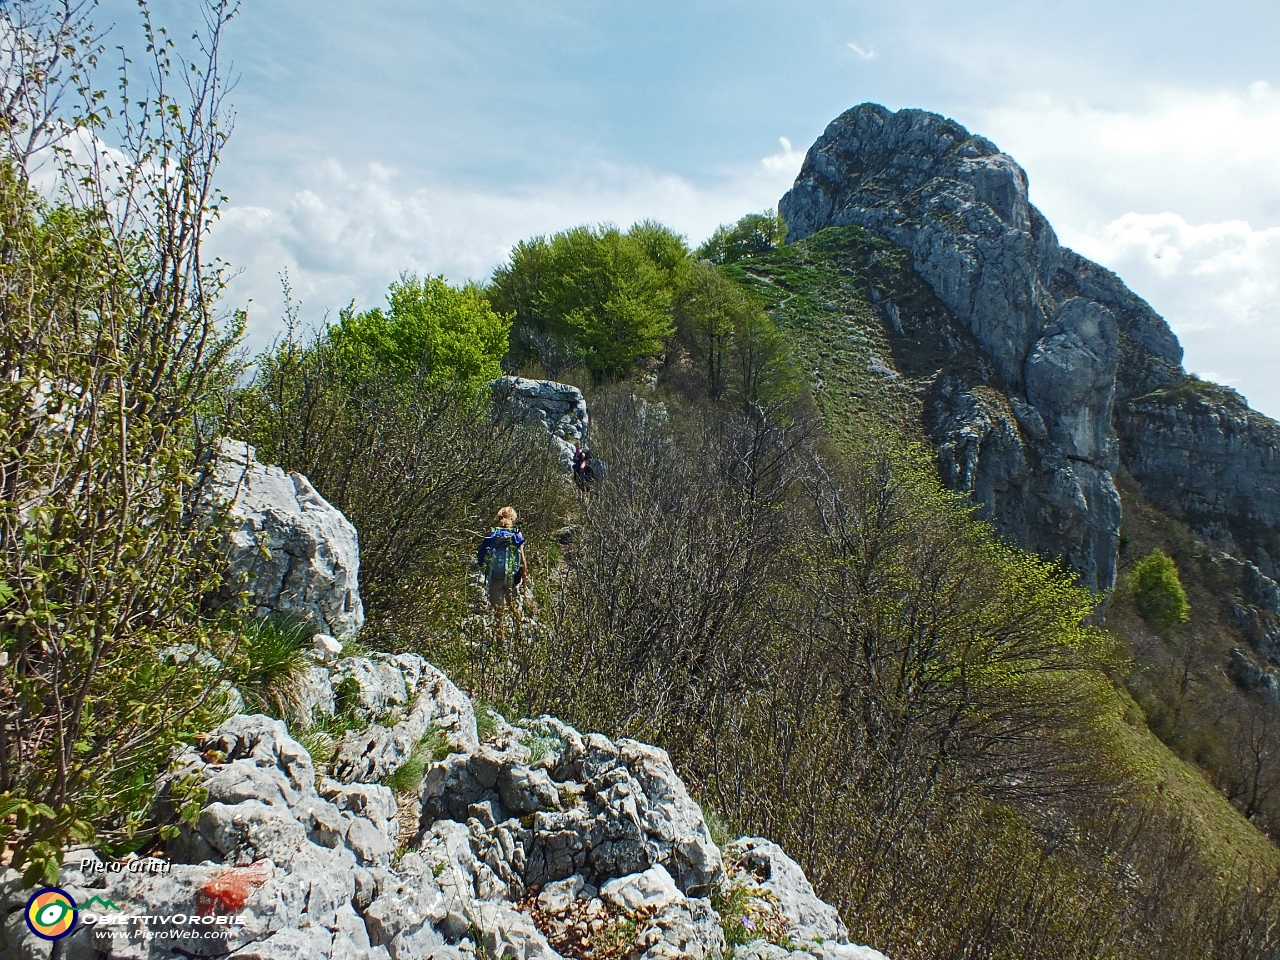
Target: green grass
<point>1192,390</point>
<point>270,656</point>
<point>861,364</point>
<point>432,747</point>
<point>1230,841</point>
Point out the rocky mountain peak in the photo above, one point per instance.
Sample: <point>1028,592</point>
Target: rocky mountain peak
<point>1078,359</point>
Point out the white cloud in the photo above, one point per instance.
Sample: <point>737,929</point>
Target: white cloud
<point>786,163</point>
<point>1218,285</point>
<point>1208,155</point>
<point>864,54</point>
<point>345,233</point>
<point>1179,193</point>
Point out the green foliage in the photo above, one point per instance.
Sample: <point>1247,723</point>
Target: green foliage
<point>664,248</point>
<point>429,329</point>
<point>111,342</point>
<point>432,747</point>
<point>752,236</point>
<point>738,349</point>
<point>416,465</point>
<point>1157,591</point>
<point>487,717</point>
<point>722,832</point>
<point>269,660</point>
<point>593,295</point>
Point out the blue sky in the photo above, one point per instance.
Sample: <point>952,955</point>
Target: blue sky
<point>429,136</point>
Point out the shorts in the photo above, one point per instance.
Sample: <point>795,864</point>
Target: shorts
<point>500,592</point>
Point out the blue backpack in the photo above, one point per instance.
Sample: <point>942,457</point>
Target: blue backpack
<point>504,556</point>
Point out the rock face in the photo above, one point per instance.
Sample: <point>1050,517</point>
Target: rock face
<point>1073,358</point>
<point>1202,454</point>
<point>538,843</point>
<point>301,556</point>
<point>557,407</point>
<point>586,806</point>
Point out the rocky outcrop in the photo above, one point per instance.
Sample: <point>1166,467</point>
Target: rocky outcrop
<point>1204,456</point>
<point>294,554</point>
<point>558,408</point>
<point>538,843</point>
<point>1075,363</point>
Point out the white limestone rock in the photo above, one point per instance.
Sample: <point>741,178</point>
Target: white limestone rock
<point>559,408</point>
<point>301,555</point>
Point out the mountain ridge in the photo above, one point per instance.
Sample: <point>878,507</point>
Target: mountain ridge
<point>1077,356</point>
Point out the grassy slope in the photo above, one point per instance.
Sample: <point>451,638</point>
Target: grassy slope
<point>865,373</point>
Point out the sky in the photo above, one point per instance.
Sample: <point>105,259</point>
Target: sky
<point>431,135</point>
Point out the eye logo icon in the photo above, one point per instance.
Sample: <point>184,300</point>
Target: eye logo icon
<point>51,913</point>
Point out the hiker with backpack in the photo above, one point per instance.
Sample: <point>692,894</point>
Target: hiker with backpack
<point>581,467</point>
<point>586,469</point>
<point>501,560</point>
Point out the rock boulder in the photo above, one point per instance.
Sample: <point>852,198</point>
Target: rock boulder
<point>301,556</point>
<point>558,408</point>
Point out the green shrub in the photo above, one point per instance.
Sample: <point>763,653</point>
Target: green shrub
<point>1157,591</point>
<point>418,466</point>
<point>753,235</point>
<point>429,329</point>
<point>594,296</point>
<point>111,342</point>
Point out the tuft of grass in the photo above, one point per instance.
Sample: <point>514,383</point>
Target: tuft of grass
<point>731,905</point>
<point>321,738</point>
<point>270,658</point>
<point>743,920</point>
<point>722,831</point>
<point>540,745</point>
<point>433,747</point>
<point>616,938</point>
<point>347,696</point>
<point>487,717</point>
<point>353,648</point>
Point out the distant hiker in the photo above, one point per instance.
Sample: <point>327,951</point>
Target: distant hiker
<point>501,559</point>
<point>581,467</point>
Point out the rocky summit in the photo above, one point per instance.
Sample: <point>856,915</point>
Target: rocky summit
<point>1079,378</point>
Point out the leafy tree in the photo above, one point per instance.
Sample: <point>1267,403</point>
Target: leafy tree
<point>707,310</point>
<point>515,284</point>
<point>1157,591</point>
<point>603,294</point>
<point>739,349</point>
<point>663,246</point>
<point>111,342</point>
<point>753,235</point>
<point>429,327</point>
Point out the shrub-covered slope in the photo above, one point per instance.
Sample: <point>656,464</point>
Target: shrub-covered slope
<point>879,350</point>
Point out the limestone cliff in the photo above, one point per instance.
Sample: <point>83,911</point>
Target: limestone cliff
<point>1080,374</point>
